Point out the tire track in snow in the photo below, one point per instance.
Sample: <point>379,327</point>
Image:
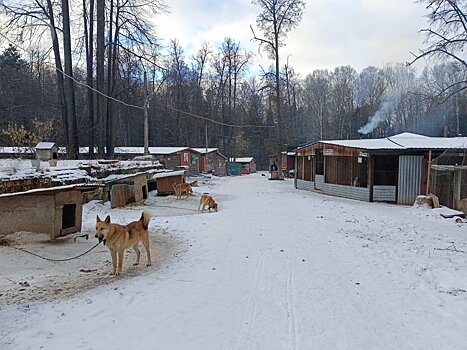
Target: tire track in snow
<point>250,312</point>
<point>291,308</point>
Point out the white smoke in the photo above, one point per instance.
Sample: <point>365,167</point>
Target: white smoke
<point>389,104</point>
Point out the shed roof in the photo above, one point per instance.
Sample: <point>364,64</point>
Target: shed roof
<point>163,174</point>
<point>46,145</point>
<point>52,190</point>
<point>152,150</point>
<point>202,150</point>
<point>404,141</point>
<point>241,160</point>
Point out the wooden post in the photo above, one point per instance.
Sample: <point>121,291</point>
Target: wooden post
<point>206,134</point>
<point>427,191</point>
<point>296,170</point>
<point>371,169</point>
<point>303,167</point>
<point>456,196</point>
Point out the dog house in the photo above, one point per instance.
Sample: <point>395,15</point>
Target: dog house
<point>47,151</point>
<point>127,189</point>
<point>165,180</point>
<point>56,211</point>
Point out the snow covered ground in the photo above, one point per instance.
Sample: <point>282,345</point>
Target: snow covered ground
<point>275,268</point>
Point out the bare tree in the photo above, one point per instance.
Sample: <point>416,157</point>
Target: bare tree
<point>446,38</point>
<point>317,92</point>
<point>276,19</point>
<point>72,146</point>
<point>30,19</point>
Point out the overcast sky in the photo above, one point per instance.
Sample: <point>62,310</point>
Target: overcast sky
<point>359,33</point>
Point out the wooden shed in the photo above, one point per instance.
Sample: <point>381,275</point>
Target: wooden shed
<point>393,169</point>
<point>172,157</point>
<point>127,189</point>
<point>248,164</point>
<point>212,161</point>
<point>47,151</point>
<point>56,210</point>
<point>165,180</point>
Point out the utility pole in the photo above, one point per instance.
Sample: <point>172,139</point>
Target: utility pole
<point>206,134</point>
<point>146,121</point>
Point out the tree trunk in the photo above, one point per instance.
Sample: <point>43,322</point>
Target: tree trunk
<point>59,69</point>
<point>278,102</point>
<point>89,43</point>
<point>100,76</point>
<point>110,81</point>
<point>72,146</point>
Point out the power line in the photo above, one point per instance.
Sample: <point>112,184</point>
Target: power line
<point>142,107</point>
<point>220,123</point>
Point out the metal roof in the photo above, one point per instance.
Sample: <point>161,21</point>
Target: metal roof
<point>404,141</point>
<point>203,150</point>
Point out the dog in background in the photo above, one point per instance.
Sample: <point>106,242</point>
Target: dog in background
<point>182,188</point>
<point>118,238</point>
<point>207,200</point>
<point>194,183</point>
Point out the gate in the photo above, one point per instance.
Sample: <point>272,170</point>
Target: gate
<point>409,179</point>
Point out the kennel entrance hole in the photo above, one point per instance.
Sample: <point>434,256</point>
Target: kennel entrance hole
<point>68,216</point>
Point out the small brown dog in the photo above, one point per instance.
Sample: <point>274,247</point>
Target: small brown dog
<point>207,200</point>
<point>118,238</point>
<point>182,188</point>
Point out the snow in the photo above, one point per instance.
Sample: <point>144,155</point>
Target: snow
<point>45,145</point>
<point>66,170</point>
<point>275,268</point>
<point>168,173</point>
<point>403,141</point>
<point>203,150</point>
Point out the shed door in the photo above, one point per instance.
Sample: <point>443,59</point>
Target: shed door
<point>409,179</point>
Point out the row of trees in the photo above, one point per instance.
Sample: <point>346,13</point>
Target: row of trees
<point>209,96</point>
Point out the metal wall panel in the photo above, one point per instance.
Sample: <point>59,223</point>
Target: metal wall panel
<point>384,193</point>
<point>305,185</point>
<point>409,179</point>
<point>359,193</point>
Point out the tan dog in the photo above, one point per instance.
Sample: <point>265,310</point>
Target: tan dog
<point>183,188</point>
<point>119,237</point>
<point>207,200</point>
